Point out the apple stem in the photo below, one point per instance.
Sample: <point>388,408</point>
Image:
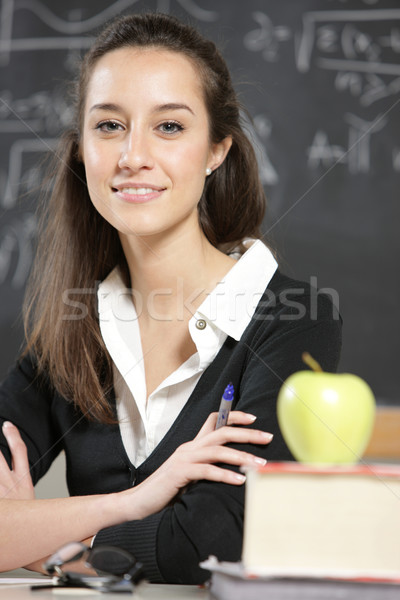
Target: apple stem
<point>311,362</point>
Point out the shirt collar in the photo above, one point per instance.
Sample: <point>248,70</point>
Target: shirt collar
<point>231,305</point>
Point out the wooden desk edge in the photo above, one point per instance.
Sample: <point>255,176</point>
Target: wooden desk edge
<point>385,439</point>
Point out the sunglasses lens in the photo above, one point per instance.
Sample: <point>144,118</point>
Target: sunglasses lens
<point>114,560</point>
<point>67,553</point>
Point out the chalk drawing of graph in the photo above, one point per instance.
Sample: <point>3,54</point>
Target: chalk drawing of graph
<point>71,35</point>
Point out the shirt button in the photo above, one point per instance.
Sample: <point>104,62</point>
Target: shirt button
<point>201,324</point>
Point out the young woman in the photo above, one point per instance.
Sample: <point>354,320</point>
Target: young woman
<point>152,291</point>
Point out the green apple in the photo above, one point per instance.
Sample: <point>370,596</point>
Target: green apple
<point>325,417</point>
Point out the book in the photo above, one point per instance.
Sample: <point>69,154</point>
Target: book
<point>308,528</point>
<point>231,581</point>
<point>341,521</point>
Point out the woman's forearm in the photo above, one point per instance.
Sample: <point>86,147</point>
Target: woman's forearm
<point>31,529</point>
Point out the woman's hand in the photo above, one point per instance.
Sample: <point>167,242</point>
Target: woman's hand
<point>15,483</point>
<point>196,460</point>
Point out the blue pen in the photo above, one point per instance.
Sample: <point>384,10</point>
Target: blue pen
<point>225,406</point>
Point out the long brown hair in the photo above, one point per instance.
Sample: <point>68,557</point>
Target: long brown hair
<point>77,248</point>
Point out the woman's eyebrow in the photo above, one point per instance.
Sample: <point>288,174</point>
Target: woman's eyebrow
<point>173,106</point>
<point>111,107</point>
<point>106,106</point>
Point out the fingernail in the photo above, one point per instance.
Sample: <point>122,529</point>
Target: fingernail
<point>241,478</point>
<point>259,461</point>
<point>251,417</point>
<point>267,436</point>
<point>7,424</point>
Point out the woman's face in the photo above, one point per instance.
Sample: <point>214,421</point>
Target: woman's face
<point>146,142</point>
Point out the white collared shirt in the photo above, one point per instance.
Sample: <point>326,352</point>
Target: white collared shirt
<point>226,311</point>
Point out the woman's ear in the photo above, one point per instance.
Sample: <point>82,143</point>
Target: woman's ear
<point>218,153</point>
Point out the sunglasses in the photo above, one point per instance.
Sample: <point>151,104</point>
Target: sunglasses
<point>103,568</point>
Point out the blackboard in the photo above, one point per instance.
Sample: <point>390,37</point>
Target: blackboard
<point>321,79</point>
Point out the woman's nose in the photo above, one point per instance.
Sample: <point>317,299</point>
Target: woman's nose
<point>136,153</point>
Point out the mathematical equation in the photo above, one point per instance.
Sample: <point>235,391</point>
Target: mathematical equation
<point>361,47</point>
<point>356,154</point>
<point>362,50</point>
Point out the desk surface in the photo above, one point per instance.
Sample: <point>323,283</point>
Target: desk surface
<point>144,591</point>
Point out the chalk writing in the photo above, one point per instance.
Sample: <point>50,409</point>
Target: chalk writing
<point>258,133</point>
<point>359,51</point>
<point>16,250</point>
<point>262,133</point>
<point>362,48</point>
<point>267,38</point>
<point>364,60</point>
<point>368,87</point>
<point>322,153</point>
<point>42,112</point>
<point>356,155</point>
<point>19,150</point>
<point>360,132</point>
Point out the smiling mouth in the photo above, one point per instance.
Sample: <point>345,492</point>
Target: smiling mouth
<point>138,194</point>
<point>137,191</point>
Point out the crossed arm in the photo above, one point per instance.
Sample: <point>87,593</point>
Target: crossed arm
<point>31,529</point>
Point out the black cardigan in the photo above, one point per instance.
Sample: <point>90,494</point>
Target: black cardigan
<point>207,518</point>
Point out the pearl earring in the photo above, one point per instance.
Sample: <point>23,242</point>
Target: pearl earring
<point>208,171</point>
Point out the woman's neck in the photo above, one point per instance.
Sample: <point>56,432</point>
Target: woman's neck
<point>171,277</point>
